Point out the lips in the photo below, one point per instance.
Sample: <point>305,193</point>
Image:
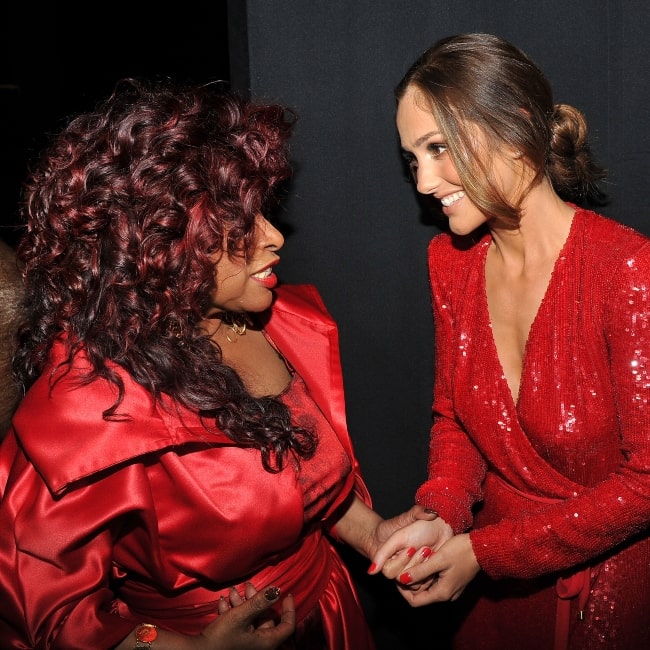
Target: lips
<point>263,274</point>
<point>450,199</point>
<point>266,277</point>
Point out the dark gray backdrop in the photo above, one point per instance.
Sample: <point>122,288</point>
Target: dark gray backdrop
<point>358,231</point>
<point>356,227</point>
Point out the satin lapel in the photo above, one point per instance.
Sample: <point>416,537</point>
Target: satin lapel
<point>307,337</point>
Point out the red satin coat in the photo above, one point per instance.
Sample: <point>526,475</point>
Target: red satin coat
<point>107,524</point>
<point>559,478</point>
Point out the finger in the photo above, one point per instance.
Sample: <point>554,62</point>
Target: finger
<point>428,569</point>
<point>263,621</point>
<point>398,563</point>
<point>235,598</point>
<point>287,623</point>
<point>223,605</point>
<point>420,512</point>
<point>422,555</point>
<point>288,618</point>
<point>393,550</point>
<point>258,603</point>
<point>416,512</point>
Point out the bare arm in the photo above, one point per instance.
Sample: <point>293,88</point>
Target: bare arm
<point>365,530</point>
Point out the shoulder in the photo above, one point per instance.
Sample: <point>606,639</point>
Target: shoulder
<point>455,261</point>
<point>610,244</point>
<point>60,424</point>
<point>448,248</point>
<point>603,232</point>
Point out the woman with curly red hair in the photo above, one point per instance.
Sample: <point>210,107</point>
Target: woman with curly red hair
<point>181,456</point>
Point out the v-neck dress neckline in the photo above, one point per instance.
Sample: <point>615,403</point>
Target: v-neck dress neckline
<point>548,292</point>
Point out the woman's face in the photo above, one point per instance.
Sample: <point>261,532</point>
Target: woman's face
<point>245,284</point>
<point>435,173</point>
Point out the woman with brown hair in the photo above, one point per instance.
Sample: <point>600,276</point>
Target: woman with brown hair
<point>539,461</point>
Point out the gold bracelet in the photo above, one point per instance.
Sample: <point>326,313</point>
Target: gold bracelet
<point>145,635</point>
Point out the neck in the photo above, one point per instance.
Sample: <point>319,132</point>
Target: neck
<point>234,325</point>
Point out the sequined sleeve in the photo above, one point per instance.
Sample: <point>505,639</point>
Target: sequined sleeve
<point>455,467</point>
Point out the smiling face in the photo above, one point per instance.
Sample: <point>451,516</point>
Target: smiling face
<point>244,284</point>
<point>435,173</point>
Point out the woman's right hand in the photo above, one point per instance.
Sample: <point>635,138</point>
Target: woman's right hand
<point>244,623</point>
<point>247,623</point>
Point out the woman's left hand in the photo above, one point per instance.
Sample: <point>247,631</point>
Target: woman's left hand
<point>442,576</point>
<point>409,545</point>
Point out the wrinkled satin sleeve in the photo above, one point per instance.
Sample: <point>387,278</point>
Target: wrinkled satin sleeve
<point>456,469</point>
<point>55,559</point>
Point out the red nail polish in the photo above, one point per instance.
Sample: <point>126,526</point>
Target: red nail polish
<point>372,567</point>
<point>405,578</point>
<point>410,552</point>
<point>426,552</point>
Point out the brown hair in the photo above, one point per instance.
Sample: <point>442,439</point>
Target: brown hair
<point>482,80</point>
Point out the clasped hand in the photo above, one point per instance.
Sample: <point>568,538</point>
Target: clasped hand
<point>429,563</point>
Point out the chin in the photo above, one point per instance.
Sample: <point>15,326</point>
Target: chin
<point>463,232</point>
<point>463,227</point>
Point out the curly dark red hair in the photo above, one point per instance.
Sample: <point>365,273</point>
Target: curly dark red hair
<point>124,210</point>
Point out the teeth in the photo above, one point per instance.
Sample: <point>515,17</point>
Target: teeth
<point>452,198</point>
<point>263,274</point>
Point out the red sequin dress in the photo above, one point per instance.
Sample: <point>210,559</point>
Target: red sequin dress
<point>108,524</point>
<point>555,485</point>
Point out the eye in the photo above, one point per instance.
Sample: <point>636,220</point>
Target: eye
<point>410,159</point>
<point>436,149</point>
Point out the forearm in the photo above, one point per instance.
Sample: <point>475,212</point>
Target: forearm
<point>357,527</point>
<point>365,530</point>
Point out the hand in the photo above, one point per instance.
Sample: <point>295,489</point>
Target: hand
<point>388,527</point>
<point>410,545</point>
<point>441,577</point>
<point>249,623</point>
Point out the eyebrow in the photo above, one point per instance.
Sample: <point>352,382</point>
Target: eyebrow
<point>422,139</point>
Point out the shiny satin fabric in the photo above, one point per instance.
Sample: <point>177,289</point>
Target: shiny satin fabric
<point>575,441</point>
<point>155,518</point>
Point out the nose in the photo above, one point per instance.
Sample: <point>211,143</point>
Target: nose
<point>268,236</point>
<point>426,180</point>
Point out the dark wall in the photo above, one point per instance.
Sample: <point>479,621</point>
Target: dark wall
<point>358,231</point>
<point>357,228</point>
<point>57,60</point>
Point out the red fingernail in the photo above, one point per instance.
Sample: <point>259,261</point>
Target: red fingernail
<point>405,578</point>
<point>372,567</point>
<point>426,552</point>
<point>410,552</point>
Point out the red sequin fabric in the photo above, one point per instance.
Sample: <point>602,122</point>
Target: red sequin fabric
<point>554,485</point>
